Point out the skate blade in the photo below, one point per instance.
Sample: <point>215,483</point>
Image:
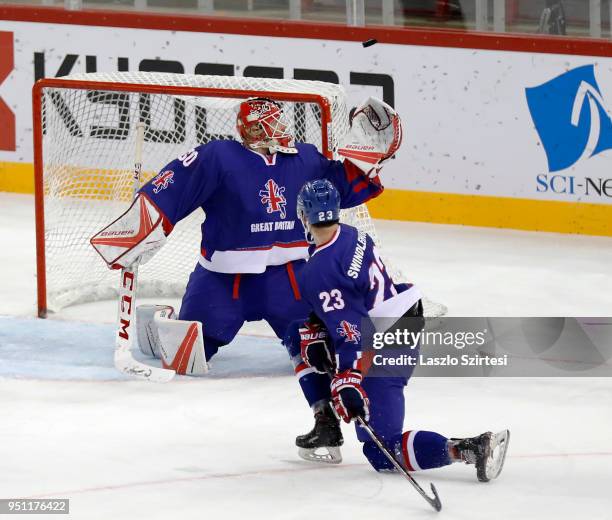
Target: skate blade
<point>499,448</point>
<point>325,454</point>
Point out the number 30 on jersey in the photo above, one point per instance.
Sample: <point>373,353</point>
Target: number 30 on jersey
<point>188,157</point>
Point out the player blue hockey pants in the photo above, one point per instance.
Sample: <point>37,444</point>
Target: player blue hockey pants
<point>417,449</point>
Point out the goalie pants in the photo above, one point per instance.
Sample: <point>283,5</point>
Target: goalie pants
<point>223,302</point>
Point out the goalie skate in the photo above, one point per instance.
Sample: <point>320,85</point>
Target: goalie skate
<point>322,443</point>
<point>487,452</point>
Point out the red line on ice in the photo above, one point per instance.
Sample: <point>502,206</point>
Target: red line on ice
<point>271,471</point>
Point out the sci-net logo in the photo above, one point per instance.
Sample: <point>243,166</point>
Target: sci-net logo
<point>574,124</point>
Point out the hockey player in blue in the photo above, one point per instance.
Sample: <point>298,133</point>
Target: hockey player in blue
<point>253,246</point>
<point>345,284</point>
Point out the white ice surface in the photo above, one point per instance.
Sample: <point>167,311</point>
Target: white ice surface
<point>222,447</point>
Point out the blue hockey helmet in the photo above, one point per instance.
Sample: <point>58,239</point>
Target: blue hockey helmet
<point>318,202</point>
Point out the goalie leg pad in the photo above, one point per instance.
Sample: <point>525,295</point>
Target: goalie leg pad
<point>178,343</point>
<point>148,339</point>
<point>181,345</point>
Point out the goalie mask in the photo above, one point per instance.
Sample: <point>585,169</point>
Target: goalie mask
<point>262,124</point>
<point>318,202</point>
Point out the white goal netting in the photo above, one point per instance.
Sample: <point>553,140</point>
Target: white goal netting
<point>88,140</point>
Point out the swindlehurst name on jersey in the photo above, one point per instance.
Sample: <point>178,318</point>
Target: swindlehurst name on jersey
<point>281,225</point>
<point>357,260</point>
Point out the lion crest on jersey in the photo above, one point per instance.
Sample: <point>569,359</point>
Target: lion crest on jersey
<point>272,196</point>
<point>349,331</point>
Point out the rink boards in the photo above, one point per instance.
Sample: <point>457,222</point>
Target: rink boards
<point>481,146</point>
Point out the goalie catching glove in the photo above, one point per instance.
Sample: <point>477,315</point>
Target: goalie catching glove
<point>375,135</point>
<point>135,236</point>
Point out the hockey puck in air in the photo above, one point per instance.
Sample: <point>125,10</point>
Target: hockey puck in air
<point>370,42</point>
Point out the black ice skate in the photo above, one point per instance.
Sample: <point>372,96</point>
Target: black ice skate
<point>326,436</point>
<point>487,452</point>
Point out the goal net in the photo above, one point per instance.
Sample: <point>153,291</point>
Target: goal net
<point>84,141</point>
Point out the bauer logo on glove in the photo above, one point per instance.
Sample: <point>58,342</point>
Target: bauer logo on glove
<point>136,235</point>
<point>375,135</point>
<point>349,397</point>
<point>315,347</point>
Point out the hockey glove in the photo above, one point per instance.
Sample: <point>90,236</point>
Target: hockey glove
<point>375,135</point>
<point>134,237</point>
<point>348,396</point>
<point>315,348</point>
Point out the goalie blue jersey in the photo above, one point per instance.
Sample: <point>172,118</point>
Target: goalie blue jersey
<point>345,282</point>
<point>249,200</point>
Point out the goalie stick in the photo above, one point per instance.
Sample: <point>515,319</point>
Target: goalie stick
<point>124,360</point>
<point>433,502</point>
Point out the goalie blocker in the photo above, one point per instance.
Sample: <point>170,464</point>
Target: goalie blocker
<point>134,237</point>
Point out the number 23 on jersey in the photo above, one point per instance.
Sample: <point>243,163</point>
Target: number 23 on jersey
<point>332,300</point>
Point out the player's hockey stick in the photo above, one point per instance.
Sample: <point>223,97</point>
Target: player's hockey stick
<point>433,502</point>
<point>124,360</point>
